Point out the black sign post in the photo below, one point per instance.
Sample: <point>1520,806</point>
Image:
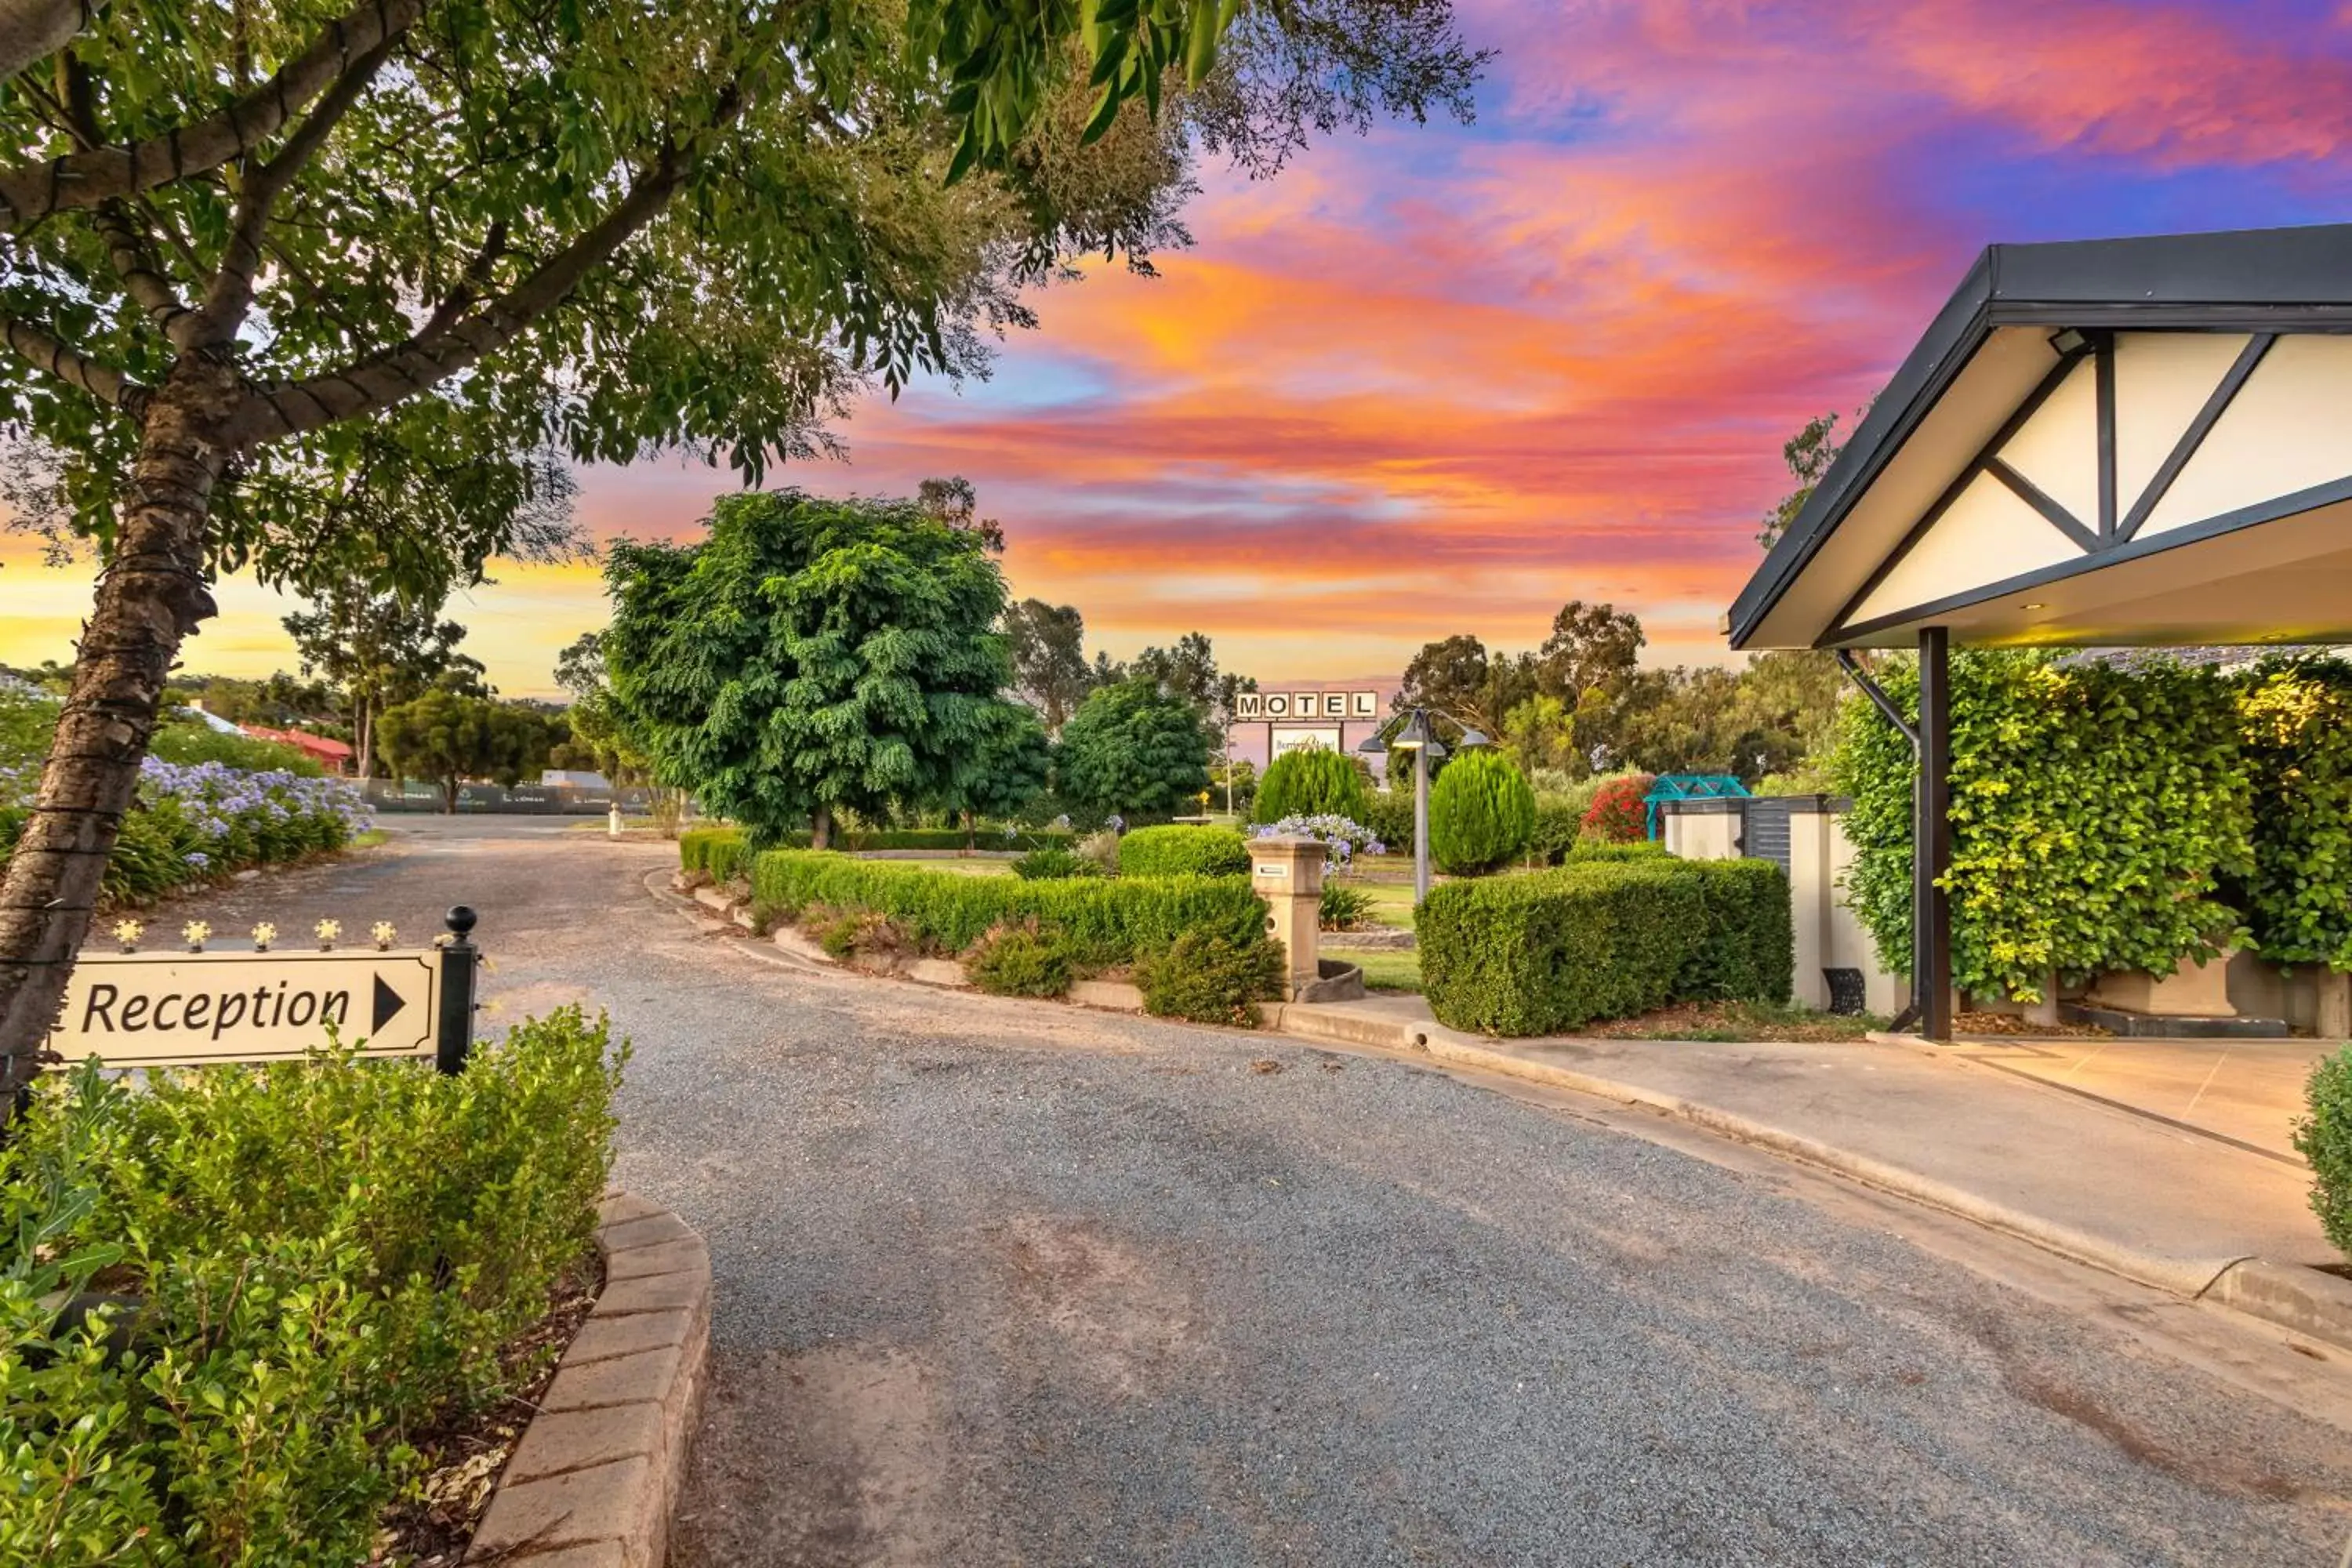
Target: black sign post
<point>460,963</point>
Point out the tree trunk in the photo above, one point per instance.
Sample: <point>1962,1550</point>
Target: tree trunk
<point>149,598</point>
<point>821,829</point>
<point>449,796</point>
<point>364,733</point>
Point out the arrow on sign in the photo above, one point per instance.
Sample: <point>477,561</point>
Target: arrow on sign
<point>388,1003</point>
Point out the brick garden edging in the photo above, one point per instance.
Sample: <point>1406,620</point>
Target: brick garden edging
<point>595,1478</point>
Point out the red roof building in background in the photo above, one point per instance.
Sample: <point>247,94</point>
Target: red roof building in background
<point>334,756</point>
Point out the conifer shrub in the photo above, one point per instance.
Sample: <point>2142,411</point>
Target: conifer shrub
<point>1481,813</point>
<point>1182,850</point>
<point>1312,781</point>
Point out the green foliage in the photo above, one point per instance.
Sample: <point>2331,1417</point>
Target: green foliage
<point>2095,812</point>
<point>1313,782</point>
<point>2296,720</point>
<point>1101,920</point>
<point>1606,849</point>
<point>331,1254</point>
<point>1054,864</point>
<point>721,853</point>
<point>1552,950</point>
<point>1341,907</point>
<point>1389,814</point>
<point>1618,813</point>
<point>725,853</point>
<point>2323,1137</point>
<point>1134,749</point>
<point>1212,977</point>
<point>449,737</point>
<point>813,656</point>
<point>1183,849</point>
<point>1019,959</point>
<point>1481,813</point>
<point>187,741</point>
<point>1558,824</point>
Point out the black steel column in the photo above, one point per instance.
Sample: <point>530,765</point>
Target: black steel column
<point>1931,860</point>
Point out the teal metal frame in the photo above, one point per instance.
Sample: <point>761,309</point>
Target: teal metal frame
<point>1688,786</point>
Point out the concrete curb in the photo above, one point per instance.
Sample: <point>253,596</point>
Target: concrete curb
<point>595,1479</point>
<point>1107,996</point>
<point>2301,1300</point>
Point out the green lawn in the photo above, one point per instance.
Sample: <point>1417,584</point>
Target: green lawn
<point>1385,969</point>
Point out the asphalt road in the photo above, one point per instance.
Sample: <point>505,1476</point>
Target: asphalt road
<point>1013,1283</point>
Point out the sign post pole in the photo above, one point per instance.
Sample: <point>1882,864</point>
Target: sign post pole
<point>460,962</point>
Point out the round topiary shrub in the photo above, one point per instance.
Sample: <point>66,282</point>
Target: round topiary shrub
<point>1481,813</point>
<point>1182,850</point>
<point>1312,781</point>
<point>1618,813</point>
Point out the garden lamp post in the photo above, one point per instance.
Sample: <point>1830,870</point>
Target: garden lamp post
<point>1418,736</point>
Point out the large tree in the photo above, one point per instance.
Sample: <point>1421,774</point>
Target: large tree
<point>1049,659</point>
<point>449,737</point>
<point>252,241</point>
<point>1136,750</point>
<point>810,655</point>
<point>380,650</point>
<point>1458,677</point>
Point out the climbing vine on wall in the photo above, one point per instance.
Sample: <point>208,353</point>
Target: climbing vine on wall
<point>2296,717</point>
<point>2095,810</point>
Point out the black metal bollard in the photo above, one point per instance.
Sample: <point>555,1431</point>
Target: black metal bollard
<point>460,964</point>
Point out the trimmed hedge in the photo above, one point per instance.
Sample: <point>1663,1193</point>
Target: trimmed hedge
<point>1551,952</point>
<point>724,853</point>
<point>1098,921</point>
<point>1184,851</point>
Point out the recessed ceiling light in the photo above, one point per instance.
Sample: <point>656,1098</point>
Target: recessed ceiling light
<point>2033,606</point>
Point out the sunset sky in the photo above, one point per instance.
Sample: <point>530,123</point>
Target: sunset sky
<point>1442,378</point>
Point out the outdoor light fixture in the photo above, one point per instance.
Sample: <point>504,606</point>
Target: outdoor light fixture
<point>1418,736</point>
<point>2070,340</point>
<point>2037,604</point>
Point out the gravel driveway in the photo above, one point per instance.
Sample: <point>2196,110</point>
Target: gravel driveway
<point>1013,1283</point>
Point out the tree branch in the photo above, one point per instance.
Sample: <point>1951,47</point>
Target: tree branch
<point>84,179</point>
<point>469,283</point>
<point>290,408</point>
<point>231,291</point>
<point>126,246</point>
<point>107,385</point>
<point>33,30</point>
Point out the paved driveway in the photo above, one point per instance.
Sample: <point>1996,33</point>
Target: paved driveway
<point>1010,1283</point>
<point>2247,1092</point>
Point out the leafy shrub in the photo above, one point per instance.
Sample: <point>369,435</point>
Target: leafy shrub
<point>2324,1138</point>
<point>2296,724</point>
<point>1212,977</point>
<point>725,853</point>
<point>1054,864</point>
<point>1556,950</point>
<point>2095,810</point>
<point>1481,813</point>
<point>1343,908</point>
<point>1101,921</point>
<point>1101,847</point>
<point>1019,959</point>
<point>1618,813</point>
<point>1389,814</point>
<point>719,853</point>
<point>1312,781</point>
<point>333,1256</point>
<point>1183,850</point>
<point>1560,823</point>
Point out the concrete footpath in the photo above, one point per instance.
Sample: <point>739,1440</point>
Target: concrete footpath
<point>2149,1198</point>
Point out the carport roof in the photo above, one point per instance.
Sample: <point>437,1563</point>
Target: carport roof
<point>2080,449</point>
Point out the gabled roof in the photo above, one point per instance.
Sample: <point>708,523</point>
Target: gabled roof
<point>2253,283</point>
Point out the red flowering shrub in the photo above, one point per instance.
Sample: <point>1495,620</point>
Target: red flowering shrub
<point>1617,814</point>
